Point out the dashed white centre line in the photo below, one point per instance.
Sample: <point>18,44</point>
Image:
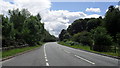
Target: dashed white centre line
<point>46,59</point>
<point>84,59</point>
<point>47,64</point>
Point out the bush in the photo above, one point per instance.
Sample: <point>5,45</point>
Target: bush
<point>72,43</point>
<point>118,41</point>
<point>65,40</point>
<point>102,41</point>
<point>83,37</point>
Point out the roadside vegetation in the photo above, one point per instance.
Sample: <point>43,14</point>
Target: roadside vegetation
<point>86,48</point>
<point>15,51</point>
<point>101,35</point>
<point>0,54</point>
<point>22,31</point>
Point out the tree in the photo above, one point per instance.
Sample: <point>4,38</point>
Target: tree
<point>23,28</point>
<point>83,37</point>
<point>33,29</point>
<point>93,23</point>
<point>64,35</point>
<point>17,18</point>
<point>77,26</point>
<point>102,41</point>
<point>118,41</point>
<point>112,21</point>
<point>38,17</point>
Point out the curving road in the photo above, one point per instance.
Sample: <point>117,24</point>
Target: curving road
<point>53,54</point>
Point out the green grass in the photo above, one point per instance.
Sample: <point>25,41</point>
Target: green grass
<point>17,50</point>
<point>87,48</point>
<point>0,55</point>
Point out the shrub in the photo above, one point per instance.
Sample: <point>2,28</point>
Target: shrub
<point>72,43</point>
<point>102,41</point>
<point>83,37</point>
<point>118,41</point>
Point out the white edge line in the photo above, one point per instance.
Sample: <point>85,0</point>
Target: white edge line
<point>84,59</point>
<point>93,53</point>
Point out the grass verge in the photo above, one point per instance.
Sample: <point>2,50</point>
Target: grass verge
<point>87,48</point>
<point>17,50</point>
<point>0,54</point>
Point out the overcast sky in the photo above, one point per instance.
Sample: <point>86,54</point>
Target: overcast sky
<point>59,14</point>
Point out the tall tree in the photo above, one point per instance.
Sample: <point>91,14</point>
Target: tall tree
<point>64,35</point>
<point>93,23</point>
<point>112,21</point>
<point>77,26</point>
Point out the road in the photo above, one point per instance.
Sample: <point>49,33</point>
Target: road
<point>53,54</point>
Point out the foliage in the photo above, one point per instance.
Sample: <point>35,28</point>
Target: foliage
<point>77,26</point>
<point>71,43</point>
<point>118,41</point>
<point>83,37</point>
<point>23,28</point>
<point>102,41</point>
<point>112,21</point>
<point>99,33</point>
<point>13,52</point>
<point>93,23</point>
<point>47,37</point>
<point>64,35</point>
<point>87,48</point>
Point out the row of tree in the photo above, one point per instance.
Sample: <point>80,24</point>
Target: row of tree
<point>21,28</point>
<point>101,34</point>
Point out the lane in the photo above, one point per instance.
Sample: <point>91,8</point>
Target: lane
<point>59,55</point>
<point>33,58</point>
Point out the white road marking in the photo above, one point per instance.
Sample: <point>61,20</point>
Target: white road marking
<point>44,51</point>
<point>89,53</point>
<point>47,64</point>
<point>45,57</point>
<point>84,59</point>
<point>46,60</point>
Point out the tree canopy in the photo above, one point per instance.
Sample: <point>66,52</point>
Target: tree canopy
<point>102,34</point>
<point>23,28</point>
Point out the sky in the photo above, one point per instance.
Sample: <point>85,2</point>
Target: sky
<point>59,14</point>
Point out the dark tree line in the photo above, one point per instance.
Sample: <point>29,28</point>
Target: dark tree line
<point>22,28</point>
<point>101,34</point>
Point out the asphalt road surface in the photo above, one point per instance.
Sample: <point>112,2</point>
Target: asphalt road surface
<point>53,54</point>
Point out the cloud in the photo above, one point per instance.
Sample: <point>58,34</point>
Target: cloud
<point>93,10</point>
<point>118,6</point>
<point>4,6</point>
<point>54,20</point>
<point>93,16</point>
<point>34,6</point>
